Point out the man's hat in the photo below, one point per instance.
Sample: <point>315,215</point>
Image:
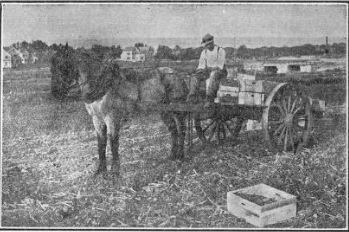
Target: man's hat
<point>207,39</point>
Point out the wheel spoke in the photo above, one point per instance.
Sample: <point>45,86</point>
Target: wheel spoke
<point>212,131</point>
<point>223,130</point>
<point>210,124</point>
<point>225,124</point>
<point>294,104</point>
<point>278,129</point>
<point>281,135</point>
<point>299,107</point>
<point>284,105</point>
<point>289,103</point>
<point>278,105</point>
<point>291,134</point>
<point>232,128</point>
<point>285,141</point>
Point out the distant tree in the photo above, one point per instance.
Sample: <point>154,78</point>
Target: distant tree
<point>229,52</point>
<point>115,52</point>
<point>25,45</point>
<point>54,47</point>
<point>151,51</point>
<point>139,44</point>
<point>64,71</point>
<point>338,48</point>
<point>16,60</point>
<point>38,45</point>
<point>100,51</point>
<point>242,51</point>
<point>164,52</point>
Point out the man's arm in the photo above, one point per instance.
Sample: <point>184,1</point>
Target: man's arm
<point>220,59</point>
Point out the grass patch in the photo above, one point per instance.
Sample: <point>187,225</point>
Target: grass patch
<point>50,154</point>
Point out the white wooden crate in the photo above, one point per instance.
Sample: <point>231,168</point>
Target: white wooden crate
<point>251,86</point>
<point>251,98</point>
<point>282,208</point>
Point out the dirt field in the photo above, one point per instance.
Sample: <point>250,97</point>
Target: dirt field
<point>49,154</point>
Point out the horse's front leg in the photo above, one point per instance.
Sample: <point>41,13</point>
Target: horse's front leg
<point>101,130</point>
<point>113,125</point>
<point>171,126</point>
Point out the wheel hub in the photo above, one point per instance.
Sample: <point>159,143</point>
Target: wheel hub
<point>289,120</point>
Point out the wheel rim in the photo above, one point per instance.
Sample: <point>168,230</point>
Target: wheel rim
<point>289,120</point>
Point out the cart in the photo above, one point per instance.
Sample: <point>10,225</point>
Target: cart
<point>284,111</point>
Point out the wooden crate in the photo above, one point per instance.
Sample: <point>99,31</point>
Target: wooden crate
<point>251,98</point>
<point>251,86</point>
<point>281,206</point>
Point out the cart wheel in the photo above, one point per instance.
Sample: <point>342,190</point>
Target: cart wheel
<point>216,130</point>
<point>287,119</point>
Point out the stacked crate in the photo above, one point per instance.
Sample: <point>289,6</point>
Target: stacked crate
<point>243,90</point>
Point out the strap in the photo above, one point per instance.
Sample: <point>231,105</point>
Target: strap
<point>205,57</point>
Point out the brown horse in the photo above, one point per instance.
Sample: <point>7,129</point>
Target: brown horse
<point>111,97</point>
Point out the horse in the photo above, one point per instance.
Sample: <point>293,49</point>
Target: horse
<point>111,96</point>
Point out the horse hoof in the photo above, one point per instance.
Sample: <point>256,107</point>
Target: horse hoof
<point>178,156</point>
<point>101,169</point>
<point>115,170</point>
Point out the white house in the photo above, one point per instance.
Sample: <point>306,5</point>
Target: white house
<point>132,54</point>
<point>15,52</point>
<point>6,58</point>
<point>287,67</point>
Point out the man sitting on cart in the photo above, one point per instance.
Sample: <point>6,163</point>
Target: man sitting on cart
<point>211,66</point>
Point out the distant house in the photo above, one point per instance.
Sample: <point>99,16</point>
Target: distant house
<point>147,51</point>
<point>6,58</point>
<point>15,53</point>
<point>274,68</point>
<point>25,55</point>
<point>33,58</point>
<point>134,54</point>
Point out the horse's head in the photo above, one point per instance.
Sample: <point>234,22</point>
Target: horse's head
<point>175,88</point>
<point>96,77</point>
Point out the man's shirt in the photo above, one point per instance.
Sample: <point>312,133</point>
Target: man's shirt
<point>212,59</point>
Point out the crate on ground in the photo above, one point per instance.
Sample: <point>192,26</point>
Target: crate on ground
<point>261,205</point>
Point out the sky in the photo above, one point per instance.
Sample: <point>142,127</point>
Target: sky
<point>55,22</point>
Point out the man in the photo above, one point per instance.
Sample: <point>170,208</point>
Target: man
<point>211,66</point>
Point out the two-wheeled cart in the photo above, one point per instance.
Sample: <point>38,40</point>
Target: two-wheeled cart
<point>283,110</point>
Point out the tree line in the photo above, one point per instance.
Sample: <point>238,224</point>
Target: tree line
<point>44,52</point>
<point>243,52</point>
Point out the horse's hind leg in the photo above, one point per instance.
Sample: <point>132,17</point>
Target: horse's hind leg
<point>174,138</point>
<point>101,130</point>
<point>178,135</point>
<point>171,126</point>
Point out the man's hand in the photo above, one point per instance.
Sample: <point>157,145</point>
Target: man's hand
<point>214,69</point>
<point>200,71</point>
